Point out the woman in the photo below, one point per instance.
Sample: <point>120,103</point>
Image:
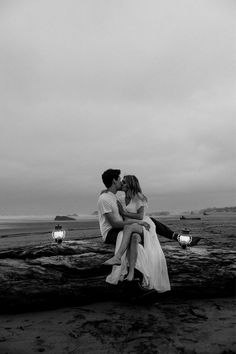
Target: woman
<point>144,252</point>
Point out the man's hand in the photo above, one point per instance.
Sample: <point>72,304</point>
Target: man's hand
<point>145,224</point>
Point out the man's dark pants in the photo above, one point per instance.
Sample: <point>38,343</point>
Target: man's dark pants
<point>162,229</point>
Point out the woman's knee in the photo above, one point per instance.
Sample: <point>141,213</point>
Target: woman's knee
<point>130,227</point>
<point>127,228</point>
<point>135,238</point>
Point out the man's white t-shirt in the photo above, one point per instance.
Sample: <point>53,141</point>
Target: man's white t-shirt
<point>107,203</point>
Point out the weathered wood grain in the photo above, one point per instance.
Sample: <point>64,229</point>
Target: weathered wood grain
<point>51,275</point>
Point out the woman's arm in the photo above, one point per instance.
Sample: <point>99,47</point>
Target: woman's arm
<point>138,216</point>
<point>120,224</point>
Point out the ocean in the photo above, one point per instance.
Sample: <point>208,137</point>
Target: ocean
<point>18,231</point>
<point>217,229</point>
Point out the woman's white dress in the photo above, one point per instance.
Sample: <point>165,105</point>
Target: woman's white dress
<point>151,260</point>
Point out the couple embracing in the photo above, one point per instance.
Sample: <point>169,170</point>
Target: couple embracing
<point>124,224</point>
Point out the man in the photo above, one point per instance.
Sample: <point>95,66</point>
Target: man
<point>111,222</point>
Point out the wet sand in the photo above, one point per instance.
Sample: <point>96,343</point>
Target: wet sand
<point>172,326</point>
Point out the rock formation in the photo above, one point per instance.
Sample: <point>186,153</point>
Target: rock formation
<point>63,218</point>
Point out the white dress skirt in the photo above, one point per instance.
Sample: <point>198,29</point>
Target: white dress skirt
<point>150,262</point>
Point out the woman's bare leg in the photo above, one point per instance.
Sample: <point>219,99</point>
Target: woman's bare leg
<point>133,253</point>
<point>127,232</point>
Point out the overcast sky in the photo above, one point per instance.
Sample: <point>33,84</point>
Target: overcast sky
<point>144,86</point>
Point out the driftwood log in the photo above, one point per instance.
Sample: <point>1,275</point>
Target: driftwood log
<point>51,275</point>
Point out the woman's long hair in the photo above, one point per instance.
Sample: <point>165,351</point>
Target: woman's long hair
<point>134,189</point>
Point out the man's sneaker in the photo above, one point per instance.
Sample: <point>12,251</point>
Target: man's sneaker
<point>194,241</point>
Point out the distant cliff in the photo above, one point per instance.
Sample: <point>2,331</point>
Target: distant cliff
<point>159,213</point>
<point>63,218</point>
<point>219,210</point>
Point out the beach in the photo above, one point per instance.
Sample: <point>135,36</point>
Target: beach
<point>200,326</point>
<point>169,325</point>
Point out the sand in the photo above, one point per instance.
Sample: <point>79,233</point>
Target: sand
<point>169,326</point>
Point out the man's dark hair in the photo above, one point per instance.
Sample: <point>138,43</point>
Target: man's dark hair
<point>109,175</point>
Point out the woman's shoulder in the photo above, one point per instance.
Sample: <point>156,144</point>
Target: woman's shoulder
<point>141,199</point>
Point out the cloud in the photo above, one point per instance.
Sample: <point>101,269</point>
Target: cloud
<point>145,87</point>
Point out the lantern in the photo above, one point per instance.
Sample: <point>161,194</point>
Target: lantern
<point>184,238</point>
<point>58,234</point>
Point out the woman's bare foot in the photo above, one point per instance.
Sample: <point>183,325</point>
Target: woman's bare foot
<point>113,261</point>
<point>130,277</point>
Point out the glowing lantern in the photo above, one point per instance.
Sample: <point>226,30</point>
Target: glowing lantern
<point>58,234</point>
<point>184,238</point>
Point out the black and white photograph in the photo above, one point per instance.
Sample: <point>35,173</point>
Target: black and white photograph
<point>117,177</point>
